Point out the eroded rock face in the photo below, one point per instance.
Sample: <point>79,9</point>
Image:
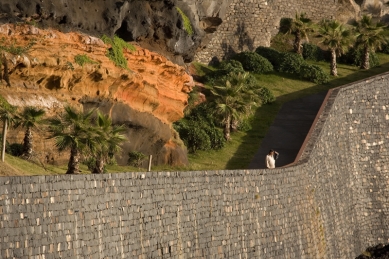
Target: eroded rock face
<point>147,97</point>
<point>156,25</point>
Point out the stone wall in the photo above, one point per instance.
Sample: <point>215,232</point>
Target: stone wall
<point>249,24</point>
<point>332,203</point>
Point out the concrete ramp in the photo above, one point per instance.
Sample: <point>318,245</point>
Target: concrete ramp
<point>288,131</point>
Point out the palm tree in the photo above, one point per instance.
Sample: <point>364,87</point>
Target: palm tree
<point>337,38</point>
<point>233,100</point>
<point>8,117</point>
<point>29,119</point>
<point>300,26</point>
<point>369,36</point>
<point>110,139</point>
<point>74,130</point>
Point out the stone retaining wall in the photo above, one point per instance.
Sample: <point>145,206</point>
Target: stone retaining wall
<point>249,24</point>
<point>332,203</point>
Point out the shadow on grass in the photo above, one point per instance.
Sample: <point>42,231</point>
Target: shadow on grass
<point>266,115</point>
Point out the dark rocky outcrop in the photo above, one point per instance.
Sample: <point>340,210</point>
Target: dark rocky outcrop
<point>156,25</point>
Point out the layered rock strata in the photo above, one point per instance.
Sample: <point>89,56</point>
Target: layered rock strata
<point>147,97</point>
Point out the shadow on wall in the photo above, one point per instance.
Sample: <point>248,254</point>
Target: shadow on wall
<point>244,42</point>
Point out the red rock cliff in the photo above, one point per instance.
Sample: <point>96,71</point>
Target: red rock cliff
<point>147,97</point>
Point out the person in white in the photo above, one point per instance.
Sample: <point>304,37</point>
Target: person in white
<point>271,159</point>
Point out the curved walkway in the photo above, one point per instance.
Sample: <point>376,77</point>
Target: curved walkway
<point>288,131</point>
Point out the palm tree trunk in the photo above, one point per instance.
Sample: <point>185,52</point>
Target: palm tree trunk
<point>297,43</point>
<point>99,166</point>
<point>73,165</point>
<point>5,126</point>
<point>234,125</point>
<point>27,144</point>
<point>334,70</point>
<point>227,128</point>
<point>366,58</point>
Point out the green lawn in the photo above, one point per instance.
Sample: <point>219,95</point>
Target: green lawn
<point>237,153</point>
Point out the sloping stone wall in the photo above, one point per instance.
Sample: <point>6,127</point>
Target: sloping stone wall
<point>249,24</point>
<point>331,204</point>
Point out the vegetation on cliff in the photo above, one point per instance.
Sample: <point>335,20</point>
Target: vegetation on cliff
<point>187,24</point>
<point>115,53</point>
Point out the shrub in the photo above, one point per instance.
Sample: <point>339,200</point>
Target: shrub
<point>135,158</point>
<point>253,62</point>
<point>115,53</point>
<point>313,52</point>
<point>274,56</point>
<point>198,130</point>
<point>231,65</point>
<point>225,68</point>
<point>215,135</point>
<point>266,95</point>
<point>355,57</point>
<point>313,73</point>
<point>83,59</point>
<point>291,63</point>
<point>14,49</point>
<point>194,137</point>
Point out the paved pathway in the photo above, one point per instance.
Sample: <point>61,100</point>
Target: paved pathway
<point>288,131</point>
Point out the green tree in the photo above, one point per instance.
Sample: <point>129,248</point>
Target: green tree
<point>8,117</point>
<point>369,36</point>
<point>300,26</point>
<point>74,130</point>
<point>233,100</point>
<point>136,158</point>
<point>337,38</point>
<point>110,138</point>
<point>29,119</point>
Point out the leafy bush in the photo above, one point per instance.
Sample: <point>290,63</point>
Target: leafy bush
<point>83,59</point>
<point>253,62</point>
<point>115,53</point>
<point>291,63</point>
<point>354,57</point>
<point>193,135</point>
<point>313,52</point>
<point>225,68</point>
<point>314,74</point>
<point>266,95</point>
<point>198,130</point>
<point>231,65</point>
<point>135,158</point>
<point>274,56</point>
